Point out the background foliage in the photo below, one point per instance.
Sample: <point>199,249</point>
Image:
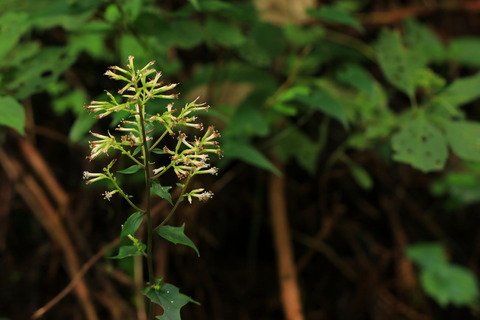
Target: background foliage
<point>369,107</point>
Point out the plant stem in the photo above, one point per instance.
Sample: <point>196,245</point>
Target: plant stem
<point>146,168</point>
<point>172,211</point>
<point>158,140</point>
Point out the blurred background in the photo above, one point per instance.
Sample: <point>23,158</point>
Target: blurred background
<point>350,181</point>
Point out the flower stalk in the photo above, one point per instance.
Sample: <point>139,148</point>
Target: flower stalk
<point>140,144</point>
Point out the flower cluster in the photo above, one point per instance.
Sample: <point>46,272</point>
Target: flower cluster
<point>188,158</point>
<point>193,158</point>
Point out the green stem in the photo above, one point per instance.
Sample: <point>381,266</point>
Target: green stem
<point>172,211</point>
<point>133,158</point>
<point>158,140</point>
<point>124,195</point>
<point>146,161</point>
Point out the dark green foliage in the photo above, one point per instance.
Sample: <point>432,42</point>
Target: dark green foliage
<point>323,97</point>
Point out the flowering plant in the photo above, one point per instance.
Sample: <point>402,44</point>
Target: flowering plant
<point>141,135</point>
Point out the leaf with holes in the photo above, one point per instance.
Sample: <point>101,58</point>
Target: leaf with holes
<point>463,138</point>
<point>420,144</point>
<point>396,61</point>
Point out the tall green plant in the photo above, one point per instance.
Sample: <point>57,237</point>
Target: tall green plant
<point>143,134</point>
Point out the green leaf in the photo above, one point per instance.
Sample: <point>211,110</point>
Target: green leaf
<point>169,298</point>
<point>326,102</point>
<point>12,26</point>
<point>185,34</point>
<point>12,114</point>
<point>396,62</point>
<point>263,44</point>
<point>461,91</point>
<point>243,151</point>
<point>463,137</point>
<point>83,123</point>
<point>40,71</point>
<point>195,4</point>
<point>361,176</point>
<point>249,121</point>
<point>158,151</point>
<point>295,144</point>
<point>420,144</point>
<point>423,43</point>
<point>129,251</point>
<point>463,188</point>
<point>336,15</point>
<point>224,34</point>
<point>161,191</point>
<point>130,170</point>
<point>176,235</point>
<point>464,50</point>
<point>426,254</point>
<point>131,224</point>
<point>449,283</point>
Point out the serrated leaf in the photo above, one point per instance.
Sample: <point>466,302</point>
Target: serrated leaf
<point>464,139</point>
<point>161,191</point>
<point>247,153</point>
<point>128,251</point>
<point>169,298</point>
<point>131,224</point>
<point>396,62</point>
<point>130,170</point>
<point>12,114</point>
<point>176,235</point>
<point>420,144</point>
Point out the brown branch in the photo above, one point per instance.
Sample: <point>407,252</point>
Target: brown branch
<point>35,198</point>
<point>78,276</point>
<point>38,164</point>
<point>400,14</point>
<point>290,292</point>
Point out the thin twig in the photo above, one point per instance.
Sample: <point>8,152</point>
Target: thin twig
<point>37,200</point>
<point>41,311</point>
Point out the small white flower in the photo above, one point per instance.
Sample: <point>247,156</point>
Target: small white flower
<point>107,195</point>
<point>96,176</point>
